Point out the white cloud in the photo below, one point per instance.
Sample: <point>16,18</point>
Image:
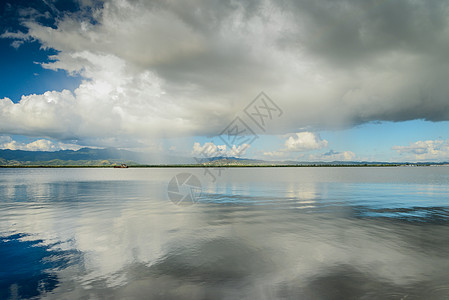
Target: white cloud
<point>305,141</point>
<point>333,156</point>
<point>430,150</point>
<point>274,154</point>
<point>7,142</point>
<point>298,144</point>
<point>186,69</point>
<point>210,150</point>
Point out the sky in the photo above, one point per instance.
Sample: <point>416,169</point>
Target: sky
<point>302,80</point>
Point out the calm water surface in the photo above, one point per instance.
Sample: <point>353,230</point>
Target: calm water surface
<point>255,233</point>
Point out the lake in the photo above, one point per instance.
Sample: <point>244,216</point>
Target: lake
<point>254,233</point>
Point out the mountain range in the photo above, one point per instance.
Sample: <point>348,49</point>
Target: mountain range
<point>113,156</point>
<point>82,157</point>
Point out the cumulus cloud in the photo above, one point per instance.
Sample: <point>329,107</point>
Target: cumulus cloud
<point>210,150</point>
<point>168,68</point>
<point>7,142</point>
<point>430,150</point>
<point>274,154</point>
<point>298,144</point>
<point>334,156</point>
<point>305,141</point>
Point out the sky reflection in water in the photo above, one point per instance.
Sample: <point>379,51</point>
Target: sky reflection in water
<point>310,233</point>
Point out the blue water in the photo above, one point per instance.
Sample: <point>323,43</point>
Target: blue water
<point>254,233</point>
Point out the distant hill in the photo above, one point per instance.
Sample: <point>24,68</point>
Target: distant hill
<point>223,161</point>
<point>112,156</point>
<point>81,154</point>
<point>83,157</point>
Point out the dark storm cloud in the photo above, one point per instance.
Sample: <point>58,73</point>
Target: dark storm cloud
<point>351,31</point>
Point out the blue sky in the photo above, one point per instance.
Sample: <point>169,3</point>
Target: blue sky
<point>168,80</point>
<point>22,75</point>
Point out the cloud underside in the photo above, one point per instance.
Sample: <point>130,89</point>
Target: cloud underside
<point>165,69</point>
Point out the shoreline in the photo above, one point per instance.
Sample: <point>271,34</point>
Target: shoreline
<point>235,166</point>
